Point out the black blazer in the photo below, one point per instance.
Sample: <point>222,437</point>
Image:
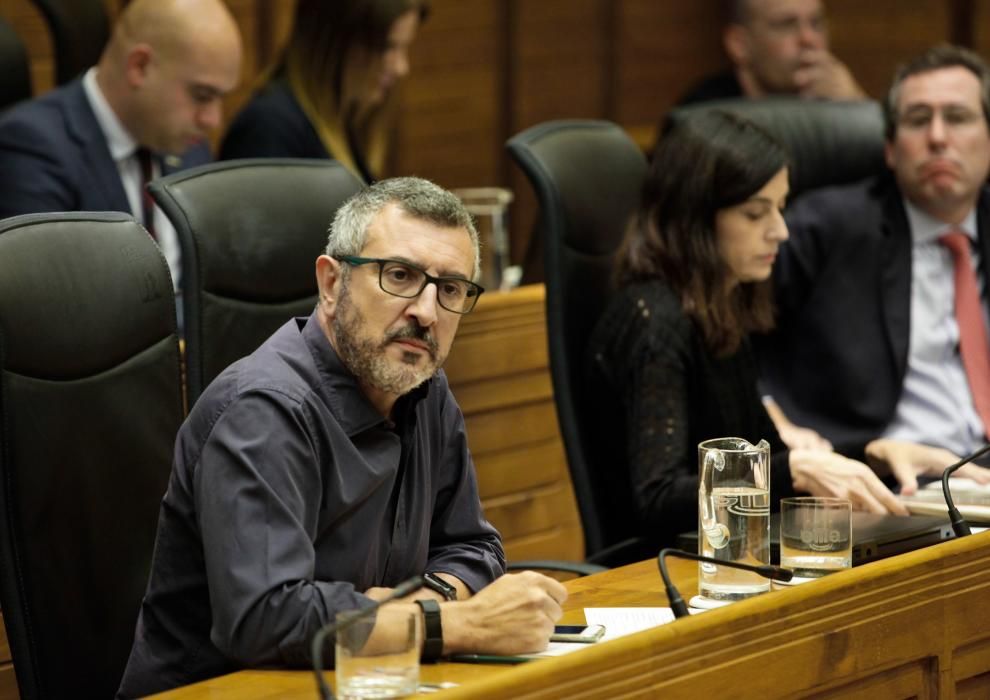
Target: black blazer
<point>54,157</point>
<point>837,360</point>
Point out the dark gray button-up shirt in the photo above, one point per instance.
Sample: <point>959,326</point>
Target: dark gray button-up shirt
<point>290,494</point>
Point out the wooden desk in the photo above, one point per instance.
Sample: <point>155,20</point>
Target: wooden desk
<point>916,626</point>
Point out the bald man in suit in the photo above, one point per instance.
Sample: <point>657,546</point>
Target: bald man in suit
<point>156,90</point>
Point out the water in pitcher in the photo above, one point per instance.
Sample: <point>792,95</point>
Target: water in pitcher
<point>744,513</point>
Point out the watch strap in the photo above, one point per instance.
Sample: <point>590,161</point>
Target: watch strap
<point>432,630</point>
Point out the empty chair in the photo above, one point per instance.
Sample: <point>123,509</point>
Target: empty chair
<point>15,74</point>
<point>830,143</point>
<point>79,30</point>
<point>90,399</point>
<point>249,231</point>
<point>587,177</point>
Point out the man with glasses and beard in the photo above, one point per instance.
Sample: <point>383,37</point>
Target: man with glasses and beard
<point>332,464</point>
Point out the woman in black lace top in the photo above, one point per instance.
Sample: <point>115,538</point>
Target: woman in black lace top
<point>670,358</point>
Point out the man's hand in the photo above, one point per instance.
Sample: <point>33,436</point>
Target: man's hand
<point>907,460</point>
<point>513,615</point>
<point>829,474</point>
<point>822,75</point>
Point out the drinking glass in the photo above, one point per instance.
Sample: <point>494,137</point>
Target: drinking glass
<point>378,656</point>
<point>815,535</point>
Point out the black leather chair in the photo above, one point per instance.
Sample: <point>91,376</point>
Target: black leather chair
<point>830,143</point>
<point>15,74</point>
<point>90,401</point>
<point>79,30</point>
<point>249,231</point>
<point>587,176</point>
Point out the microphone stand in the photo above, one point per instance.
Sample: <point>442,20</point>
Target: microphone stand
<point>316,649</point>
<point>677,604</point>
<point>959,525</point>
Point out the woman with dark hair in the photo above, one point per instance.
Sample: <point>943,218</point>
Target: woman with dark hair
<point>331,93</point>
<point>670,361</point>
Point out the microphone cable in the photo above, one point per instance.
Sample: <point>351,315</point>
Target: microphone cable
<point>959,525</point>
<point>677,604</point>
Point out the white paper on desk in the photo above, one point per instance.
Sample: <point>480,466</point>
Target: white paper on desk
<point>619,622</point>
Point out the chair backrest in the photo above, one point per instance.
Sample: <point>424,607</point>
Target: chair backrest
<point>249,231</point>
<point>15,74</point>
<point>90,403</point>
<point>80,29</point>
<point>830,143</point>
<point>587,176</point>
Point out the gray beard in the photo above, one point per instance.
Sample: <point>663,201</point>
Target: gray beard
<point>366,359</point>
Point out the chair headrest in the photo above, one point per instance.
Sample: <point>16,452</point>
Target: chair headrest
<point>69,276</point>
<point>830,142</point>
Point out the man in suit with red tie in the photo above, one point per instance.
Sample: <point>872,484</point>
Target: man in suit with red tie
<point>881,344</point>
<point>144,110</point>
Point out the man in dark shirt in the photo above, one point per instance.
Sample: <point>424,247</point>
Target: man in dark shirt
<point>777,47</point>
<point>332,464</point>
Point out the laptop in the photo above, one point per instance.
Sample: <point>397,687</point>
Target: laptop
<point>874,536</point>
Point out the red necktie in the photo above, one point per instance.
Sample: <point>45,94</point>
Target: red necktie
<point>147,201</point>
<point>972,330</point>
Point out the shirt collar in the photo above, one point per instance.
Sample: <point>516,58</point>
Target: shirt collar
<point>350,406</point>
<point>119,141</point>
<point>926,229</point>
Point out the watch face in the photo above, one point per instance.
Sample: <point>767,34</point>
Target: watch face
<point>435,583</point>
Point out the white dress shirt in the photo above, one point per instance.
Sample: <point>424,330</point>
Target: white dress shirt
<point>936,405</point>
<point>123,149</point>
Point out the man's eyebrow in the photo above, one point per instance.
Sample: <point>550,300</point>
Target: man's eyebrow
<point>443,273</point>
<point>206,89</point>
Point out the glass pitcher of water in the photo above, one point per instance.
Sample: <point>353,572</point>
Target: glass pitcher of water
<point>489,207</point>
<point>733,516</point>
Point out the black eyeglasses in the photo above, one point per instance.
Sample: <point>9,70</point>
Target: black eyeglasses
<point>403,279</point>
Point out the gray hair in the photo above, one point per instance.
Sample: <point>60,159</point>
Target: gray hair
<point>415,196</point>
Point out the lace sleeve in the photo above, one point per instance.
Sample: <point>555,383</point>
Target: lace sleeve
<point>662,463</point>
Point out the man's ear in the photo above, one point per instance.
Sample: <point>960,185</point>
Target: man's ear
<point>735,39</point>
<point>137,64</point>
<point>328,281</point>
<point>888,153</point>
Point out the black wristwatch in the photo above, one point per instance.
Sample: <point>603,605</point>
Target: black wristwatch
<point>432,630</point>
<point>435,583</point>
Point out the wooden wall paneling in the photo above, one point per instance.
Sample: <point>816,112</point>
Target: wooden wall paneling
<point>874,38</point>
<point>8,679</point>
<point>450,108</point>
<point>30,26</point>
<point>981,27</point>
<point>559,68</point>
<point>662,50</point>
<point>499,373</point>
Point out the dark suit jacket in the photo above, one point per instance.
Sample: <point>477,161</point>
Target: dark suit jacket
<point>274,125</point>
<point>53,157</point>
<point>837,360</point>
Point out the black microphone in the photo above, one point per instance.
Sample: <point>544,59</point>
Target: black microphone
<point>677,603</point>
<point>959,526</point>
<point>316,649</point>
